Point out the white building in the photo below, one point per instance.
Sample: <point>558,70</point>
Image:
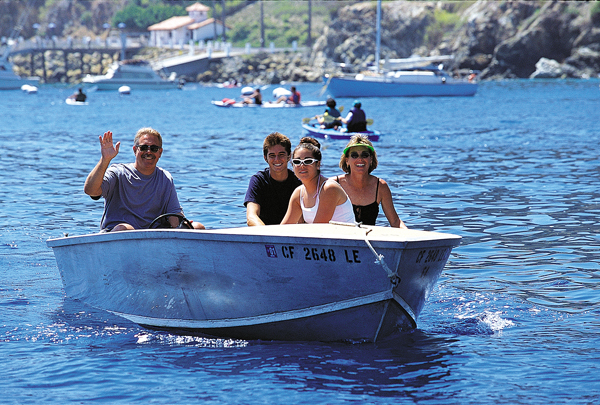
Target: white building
<point>180,30</point>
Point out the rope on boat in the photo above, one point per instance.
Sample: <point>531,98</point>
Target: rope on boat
<point>392,275</point>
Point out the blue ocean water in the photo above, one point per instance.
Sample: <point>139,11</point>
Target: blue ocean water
<point>515,317</point>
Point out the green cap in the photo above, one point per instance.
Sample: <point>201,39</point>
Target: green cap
<point>359,144</point>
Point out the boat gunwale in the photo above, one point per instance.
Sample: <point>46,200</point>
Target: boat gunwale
<point>267,234</point>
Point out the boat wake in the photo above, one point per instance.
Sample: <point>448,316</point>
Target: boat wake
<point>197,341</point>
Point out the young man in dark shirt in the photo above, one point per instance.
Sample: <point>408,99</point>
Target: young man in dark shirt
<point>269,190</point>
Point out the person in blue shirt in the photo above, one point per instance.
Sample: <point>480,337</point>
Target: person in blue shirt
<point>134,193</point>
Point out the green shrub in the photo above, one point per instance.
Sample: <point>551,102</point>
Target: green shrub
<point>595,12</point>
<point>443,22</point>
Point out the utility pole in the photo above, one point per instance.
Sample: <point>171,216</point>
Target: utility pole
<point>309,38</point>
<point>223,18</point>
<point>262,25</point>
<point>214,15</point>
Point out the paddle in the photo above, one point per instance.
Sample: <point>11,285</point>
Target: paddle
<point>328,118</point>
<point>324,88</point>
<point>309,119</point>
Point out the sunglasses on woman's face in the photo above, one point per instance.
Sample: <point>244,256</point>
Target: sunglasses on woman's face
<point>305,162</point>
<point>364,154</point>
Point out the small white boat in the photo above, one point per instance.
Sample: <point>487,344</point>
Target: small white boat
<point>29,89</point>
<point>232,103</point>
<point>72,101</point>
<point>11,81</point>
<point>305,282</point>
<point>135,73</point>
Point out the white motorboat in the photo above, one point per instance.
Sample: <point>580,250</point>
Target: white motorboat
<point>11,81</point>
<point>305,282</point>
<point>135,73</point>
<point>408,77</point>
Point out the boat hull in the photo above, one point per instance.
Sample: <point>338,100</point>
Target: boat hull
<point>331,133</point>
<point>14,82</point>
<point>72,101</point>
<point>281,282</point>
<point>388,87</point>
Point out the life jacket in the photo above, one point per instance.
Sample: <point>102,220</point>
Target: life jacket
<point>358,115</point>
<point>358,122</point>
<point>333,112</point>
<point>296,97</point>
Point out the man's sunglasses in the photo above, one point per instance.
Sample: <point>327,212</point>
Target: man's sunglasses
<point>153,148</point>
<point>305,162</point>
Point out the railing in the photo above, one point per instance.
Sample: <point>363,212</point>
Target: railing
<point>36,43</point>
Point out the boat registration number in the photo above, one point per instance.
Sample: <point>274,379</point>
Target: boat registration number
<point>314,253</point>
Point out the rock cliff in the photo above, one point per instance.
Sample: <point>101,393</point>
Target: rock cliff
<point>500,38</point>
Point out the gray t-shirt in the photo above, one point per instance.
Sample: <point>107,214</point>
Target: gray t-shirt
<point>137,199</point>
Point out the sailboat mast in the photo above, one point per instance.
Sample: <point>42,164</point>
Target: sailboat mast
<point>378,38</point>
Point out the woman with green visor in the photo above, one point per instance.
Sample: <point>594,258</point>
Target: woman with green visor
<point>366,191</point>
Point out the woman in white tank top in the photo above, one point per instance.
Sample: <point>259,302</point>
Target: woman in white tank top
<point>317,200</point>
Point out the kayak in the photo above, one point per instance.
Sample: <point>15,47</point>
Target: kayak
<point>316,131</point>
<point>72,101</point>
<point>231,103</point>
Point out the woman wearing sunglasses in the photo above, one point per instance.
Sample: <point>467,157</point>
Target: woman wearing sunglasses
<point>317,200</point>
<point>366,191</point>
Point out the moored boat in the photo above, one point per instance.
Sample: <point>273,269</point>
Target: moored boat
<point>231,103</point>
<point>321,282</point>
<point>420,82</point>
<point>316,131</point>
<point>409,77</point>
<point>72,101</point>
<point>9,80</point>
<point>135,73</point>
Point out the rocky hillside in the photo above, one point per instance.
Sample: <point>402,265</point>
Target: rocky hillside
<point>501,39</point>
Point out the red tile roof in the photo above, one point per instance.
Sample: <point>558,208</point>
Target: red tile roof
<point>197,7</point>
<point>172,23</point>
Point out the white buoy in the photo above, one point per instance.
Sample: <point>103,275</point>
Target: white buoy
<point>29,89</point>
<point>280,91</point>
<point>246,91</point>
<point>124,90</point>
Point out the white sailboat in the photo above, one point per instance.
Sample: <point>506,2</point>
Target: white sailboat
<point>409,77</point>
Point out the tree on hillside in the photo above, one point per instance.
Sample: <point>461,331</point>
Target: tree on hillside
<point>138,17</point>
